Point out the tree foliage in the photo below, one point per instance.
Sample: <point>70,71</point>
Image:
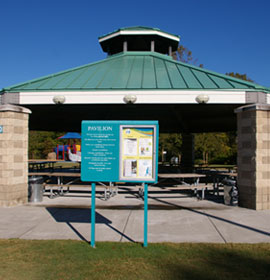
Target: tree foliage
<point>183,54</point>
<point>239,76</point>
<point>42,142</point>
<point>209,147</point>
<point>215,148</point>
<point>171,143</point>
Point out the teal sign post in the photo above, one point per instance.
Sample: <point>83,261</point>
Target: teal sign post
<point>119,151</point>
<point>1,129</point>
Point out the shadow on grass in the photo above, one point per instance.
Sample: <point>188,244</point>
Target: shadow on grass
<point>217,262</point>
<point>71,215</point>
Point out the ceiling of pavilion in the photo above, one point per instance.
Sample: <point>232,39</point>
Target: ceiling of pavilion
<point>171,117</point>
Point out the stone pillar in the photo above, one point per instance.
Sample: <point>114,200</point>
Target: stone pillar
<point>13,155</point>
<point>187,159</point>
<point>253,126</point>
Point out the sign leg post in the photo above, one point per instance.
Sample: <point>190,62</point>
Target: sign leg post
<point>93,214</point>
<point>145,214</point>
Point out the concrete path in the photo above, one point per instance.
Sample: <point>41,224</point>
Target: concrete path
<point>173,217</point>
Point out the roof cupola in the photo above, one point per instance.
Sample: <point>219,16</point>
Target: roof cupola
<point>139,39</point>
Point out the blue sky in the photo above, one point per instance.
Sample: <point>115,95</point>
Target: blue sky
<point>42,37</point>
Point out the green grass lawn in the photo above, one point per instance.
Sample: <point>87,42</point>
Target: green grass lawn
<point>32,259</point>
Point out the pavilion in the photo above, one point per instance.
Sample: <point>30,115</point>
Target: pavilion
<point>139,80</point>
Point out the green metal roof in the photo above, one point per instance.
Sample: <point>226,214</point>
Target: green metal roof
<point>135,71</point>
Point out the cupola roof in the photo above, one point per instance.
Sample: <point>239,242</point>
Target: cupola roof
<point>139,38</point>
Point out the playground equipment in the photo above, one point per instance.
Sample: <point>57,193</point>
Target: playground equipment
<point>61,151</point>
<point>74,157</point>
<point>71,151</point>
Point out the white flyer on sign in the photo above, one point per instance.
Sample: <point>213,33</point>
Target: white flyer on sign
<point>145,146</point>
<point>130,147</point>
<point>145,168</point>
<point>130,168</point>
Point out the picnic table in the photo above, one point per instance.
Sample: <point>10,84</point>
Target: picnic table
<point>71,178</point>
<point>184,178</point>
<point>217,178</point>
<point>42,164</point>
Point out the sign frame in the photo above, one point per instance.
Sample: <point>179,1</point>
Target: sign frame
<point>153,157</point>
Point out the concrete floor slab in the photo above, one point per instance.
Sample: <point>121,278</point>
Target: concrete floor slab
<point>239,225</point>
<point>173,216</point>
<point>172,226</point>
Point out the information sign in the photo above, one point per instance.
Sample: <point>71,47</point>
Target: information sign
<point>1,129</point>
<point>114,151</point>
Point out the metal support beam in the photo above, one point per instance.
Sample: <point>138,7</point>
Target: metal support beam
<point>170,50</point>
<point>145,214</point>
<point>125,46</point>
<point>93,214</point>
<point>152,46</point>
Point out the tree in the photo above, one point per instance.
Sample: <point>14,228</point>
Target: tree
<point>183,54</point>
<point>171,144</point>
<point>215,147</point>
<point>239,76</point>
<point>42,142</point>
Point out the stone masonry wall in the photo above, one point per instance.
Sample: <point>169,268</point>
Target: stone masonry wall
<point>13,155</point>
<point>254,156</point>
<point>263,160</point>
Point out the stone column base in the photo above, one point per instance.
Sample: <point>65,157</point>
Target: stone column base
<point>13,155</point>
<point>253,122</point>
